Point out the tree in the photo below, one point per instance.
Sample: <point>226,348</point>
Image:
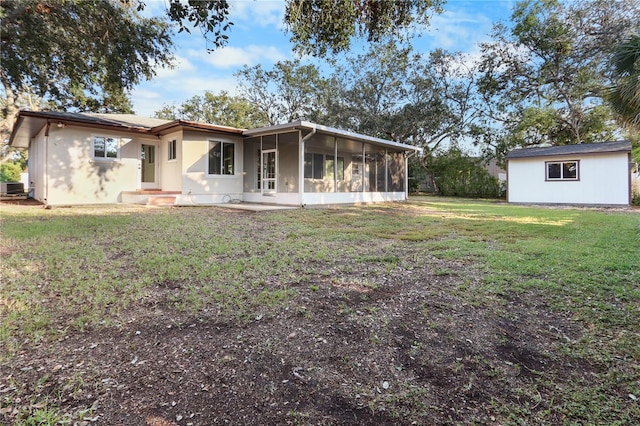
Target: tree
<point>320,27</point>
<point>544,77</point>
<point>288,92</point>
<point>393,93</point>
<point>625,95</point>
<point>220,109</point>
<point>76,55</point>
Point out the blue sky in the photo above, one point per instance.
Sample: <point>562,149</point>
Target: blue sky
<point>258,37</point>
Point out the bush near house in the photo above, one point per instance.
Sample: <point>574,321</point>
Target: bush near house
<point>458,174</point>
<point>10,172</point>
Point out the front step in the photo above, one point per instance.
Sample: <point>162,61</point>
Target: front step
<point>161,201</point>
<point>148,197</point>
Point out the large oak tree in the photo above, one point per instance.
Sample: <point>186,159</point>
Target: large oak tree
<point>546,73</point>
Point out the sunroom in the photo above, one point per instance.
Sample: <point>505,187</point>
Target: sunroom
<point>303,163</point>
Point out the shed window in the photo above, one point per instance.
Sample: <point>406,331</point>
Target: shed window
<point>105,147</point>
<point>562,170</point>
<point>221,158</point>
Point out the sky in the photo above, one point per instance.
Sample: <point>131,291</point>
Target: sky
<point>258,37</point>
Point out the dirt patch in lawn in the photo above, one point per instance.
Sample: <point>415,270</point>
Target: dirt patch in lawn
<point>412,350</point>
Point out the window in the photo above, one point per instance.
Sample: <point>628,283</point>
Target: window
<point>172,149</point>
<point>105,147</point>
<point>562,170</point>
<point>221,158</point>
<point>319,166</point>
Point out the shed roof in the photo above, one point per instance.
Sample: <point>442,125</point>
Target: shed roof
<point>583,148</point>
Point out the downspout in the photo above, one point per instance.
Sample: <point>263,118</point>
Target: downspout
<point>386,170</point>
<point>335,164</point>
<point>301,165</point>
<point>364,169</point>
<point>46,165</point>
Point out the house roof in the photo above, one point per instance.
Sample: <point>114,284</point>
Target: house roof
<point>584,148</point>
<point>313,128</point>
<point>30,123</point>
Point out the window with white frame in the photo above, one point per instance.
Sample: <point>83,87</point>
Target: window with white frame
<point>320,166</point>
<point>562,170</point>
<point>172,150</point>
<point>105,148</point>
<point>221,158</point>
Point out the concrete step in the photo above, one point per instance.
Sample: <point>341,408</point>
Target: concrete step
<point>161,201</point>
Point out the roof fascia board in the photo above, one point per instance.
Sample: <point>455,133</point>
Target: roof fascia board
<point>193,125</point>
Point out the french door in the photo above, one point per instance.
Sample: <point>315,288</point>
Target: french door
<point>269,172</point>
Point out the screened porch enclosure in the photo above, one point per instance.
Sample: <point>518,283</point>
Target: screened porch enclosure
<point>297,163</point>
<point>333,164</point>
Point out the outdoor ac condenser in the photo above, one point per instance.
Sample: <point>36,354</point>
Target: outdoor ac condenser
<point>11,188</point>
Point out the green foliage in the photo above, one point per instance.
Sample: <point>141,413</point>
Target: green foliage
<point>625,95</point>
<point>322,27</point>
<point>396,94</point>
<point>83,55</point>
<point>211,17</point>
<point>288,92</point>
<point>458,174</point>
<point>10,172</point>
<point>220,109</point>
<point>544,74</point>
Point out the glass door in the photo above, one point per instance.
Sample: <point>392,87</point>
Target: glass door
<point>269,172</point>
<point>148,170</point>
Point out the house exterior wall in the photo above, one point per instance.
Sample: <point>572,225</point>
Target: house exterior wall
<point>199,187</point>
<point>171,170</point>
<point>37,171</point>
<point>73,176</point>
<point>603,180</point>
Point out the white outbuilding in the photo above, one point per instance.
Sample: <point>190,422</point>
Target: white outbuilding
<point>585,174</point>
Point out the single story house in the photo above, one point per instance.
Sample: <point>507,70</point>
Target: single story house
<point>583,174</point>
<point>81,158</point>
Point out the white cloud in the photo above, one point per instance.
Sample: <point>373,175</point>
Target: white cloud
<point>181,65</point>
<point>254,13</point>
<point>458,30</point>
<point>228,57</point>
<point>177,89</point>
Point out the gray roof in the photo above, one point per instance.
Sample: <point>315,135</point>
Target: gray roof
<point>583,148</point>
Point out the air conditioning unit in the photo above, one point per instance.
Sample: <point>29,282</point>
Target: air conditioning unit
<point>11,188</point>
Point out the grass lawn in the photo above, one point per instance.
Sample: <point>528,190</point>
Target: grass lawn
<point>435,311</point>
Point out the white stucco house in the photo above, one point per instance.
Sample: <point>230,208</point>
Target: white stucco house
<point>583,174</point>
<point>80,158</point>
